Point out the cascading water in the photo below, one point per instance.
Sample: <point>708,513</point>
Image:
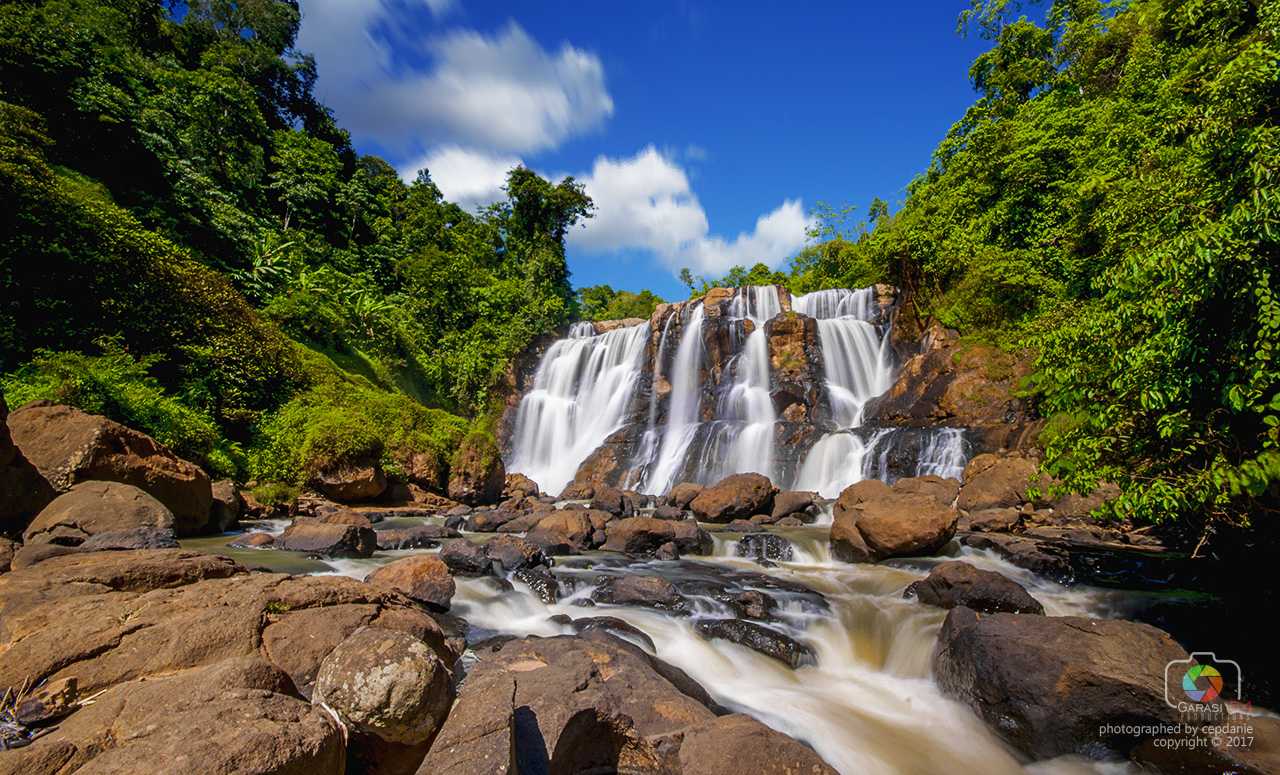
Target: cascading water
<point>853,350</point>
<point>683,408</point>
<point>580,394</point>
<point>748,407</point>
<point>838,460</point>
<point>944,454</point>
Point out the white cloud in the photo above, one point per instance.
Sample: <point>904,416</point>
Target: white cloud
<point>503,92</point>
<point>645,202</point>
<point>440,7</point>
<point>470,178</point>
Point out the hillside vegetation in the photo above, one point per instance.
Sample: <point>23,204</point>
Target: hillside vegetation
<point>190,245</point>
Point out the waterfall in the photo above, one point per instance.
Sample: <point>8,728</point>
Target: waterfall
<point>683,406</point>
<point>854,353</point>
<point>944,454</point>
<point>837,461</point>
<point>580,395</point>
<point>748,406</point>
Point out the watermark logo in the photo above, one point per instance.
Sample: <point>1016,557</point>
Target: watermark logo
<point>1202,683</point>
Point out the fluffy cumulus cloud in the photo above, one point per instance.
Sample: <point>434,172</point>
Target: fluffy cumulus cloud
<point>645,202</point>
<point>468,177</point>
<point>503,92</point>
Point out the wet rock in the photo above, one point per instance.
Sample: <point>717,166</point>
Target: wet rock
<point>874,522</point>
<point>422,578</point>
<point>540,582</point>
<point>668,551</point>
<point>511,553</point>
<point>578,491</point>
<point>257,540</point>
<point>490,521</point>
<point>49,702</point>
<point>477,475</point>
<point>240,715</point>
<point>990,520</point>
<point>640,590</point>
<point>683,494</point>
<point>993,481</point>
<point>570,704</point>
<point>795,366</point>
<point>643,535</point>
<point>721,746</point>
<point>667,511</point>
<point>761,639</point>
<point>133,538</point>
<point>386,684</point>
<point>563,532</point>
<point>742,526</point>
<point>765,546</point>
<point>789,502</point>
<point>345,517</point>
<point>23,491</point>
<point>612,625</point>
<point>525,522</point>
<point>416,537</point>
<point>314,537</point>
<point>739,495</point>
<point>227,507</point>
<point>1049,685</point>
<point>519,483</point>
<point>612,501</point>
<point>1039,558</point>
<point>954,583</point>
<point>465,558</point>
<point>90,508</point>
<point>789,522</point>
<point>68,447</point>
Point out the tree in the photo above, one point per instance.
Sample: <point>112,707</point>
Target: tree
<point>304,177</point>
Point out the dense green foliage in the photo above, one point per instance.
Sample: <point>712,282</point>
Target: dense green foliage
<point>1111,201</point>
<point>736,277</point>
<point>173,188</point>
<point>602,302</point>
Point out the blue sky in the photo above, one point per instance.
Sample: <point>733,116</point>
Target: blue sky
<point>705,132</point>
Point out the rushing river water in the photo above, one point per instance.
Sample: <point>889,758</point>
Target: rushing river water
<point>868,705</point>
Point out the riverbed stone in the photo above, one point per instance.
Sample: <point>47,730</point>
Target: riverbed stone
<point>563,532</point>
<point>1036,556</point>
<point>416,537</point>
<point>873,522</point>
<point>228,505</point>
<point>643,535</point>
<point>239,716</point>
<point>1000,520</point>
<point>90,508</point>
<point>640,590</point>
<point>789,502</point>
<point>69,446</point>
<point>423,578</point>
<point>739,495</point>
<point>588,703</point>
<point>761,639</point>
<point>1049,684</point>
<point>683,494</point>
<point>993,481</point>
<point>386,684</point>
<point>314,537</point>
<point>465,558</point>
<point>954,583</point>
<point>765,547</point>
<point>722,746</point>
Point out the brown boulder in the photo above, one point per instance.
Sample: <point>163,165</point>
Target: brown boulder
<point>91,508</point>
<point>240,715</point>
<point>1051,685</point>
<point>643,535</point>
<point>639,590</point>
<point>1036,556</point>
<point>315,537</point>
<point>789,502</point>
<point>386,684</point>
<point>521,485</point>
<point>69,447</point>
<point>477,475</point>
<point>566,704</point>
<point>721,746</point>
<point>942,490</point>
<point>683,494</point>
<point>563,532</point>
<point>997,481</point>
<point>23,491</point>
<point>351,482</point>
<point>874,522</point>
<point>109,617</point>
<point>951,584</point>
<point>422,577</point>
<point>228,505</point>
<point>990,520</point>
<point>7,550</point>
<point>739,495</point>
<point>416,537</point>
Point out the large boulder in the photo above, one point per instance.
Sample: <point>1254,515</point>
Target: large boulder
<point>91,508</point>
<point>416,537</point>
<point>565,704</point>
<point>23,491</point>
<point>386,684</point>
<point>477,475</point>
<point>739,495</point>
<point>951,584</point>
<point>1039,557</point>
<point>873,522</point>
<point>104,618</point>
<point>994,481</point>
<point>352,482</point>
<point>798,503</point>
<point>721,746</point>
<point>644,536</point>
<point>683,494</point>
<point>759,638</point>
<point>69,446</point>
<point>1052,685</point>
<point>329,540</point>
<point>424,578</point>
<point>241,715</point>
<point>228,505</point>
<point>795,365</point>
<point>563,532</point>
<point>641,590</point>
